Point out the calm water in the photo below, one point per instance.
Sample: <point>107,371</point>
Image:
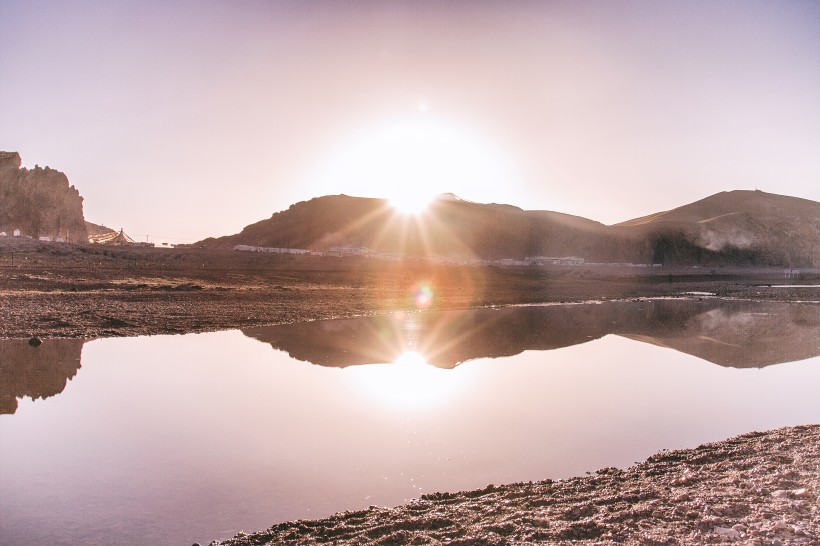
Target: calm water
<point>179,439</point>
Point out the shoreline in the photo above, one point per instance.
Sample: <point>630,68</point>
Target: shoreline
<point>759,488</point>
<point>71,291</point>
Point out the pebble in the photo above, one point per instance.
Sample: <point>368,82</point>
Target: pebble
<point>727,532</point>
<point>782,526</point>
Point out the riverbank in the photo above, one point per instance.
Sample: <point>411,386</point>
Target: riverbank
<point>52,290</point>
<point>755,489</point>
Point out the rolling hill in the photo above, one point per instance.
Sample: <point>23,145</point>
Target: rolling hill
<point>729,228</point>
<point>449,227</point>
<point>739,227</point>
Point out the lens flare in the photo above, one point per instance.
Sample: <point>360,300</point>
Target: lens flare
<point>423,296</point>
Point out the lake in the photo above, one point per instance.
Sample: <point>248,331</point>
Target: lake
<point>183,439</point>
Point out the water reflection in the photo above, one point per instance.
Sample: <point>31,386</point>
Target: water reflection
<point>182,439</point>
<point>740,334</point>
<point>36,372</point>
<point>409,382</point>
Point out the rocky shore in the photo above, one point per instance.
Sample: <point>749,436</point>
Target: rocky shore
<point>761,488</point>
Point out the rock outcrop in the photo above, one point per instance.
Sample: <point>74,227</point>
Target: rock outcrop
<point>39,202</point>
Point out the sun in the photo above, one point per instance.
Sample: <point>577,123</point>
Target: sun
<point>411,203</point>
<point>410,162</point>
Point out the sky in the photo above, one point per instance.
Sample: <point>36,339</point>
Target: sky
<point>180,120</point>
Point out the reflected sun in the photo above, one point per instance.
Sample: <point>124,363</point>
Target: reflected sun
<point>408,382</point>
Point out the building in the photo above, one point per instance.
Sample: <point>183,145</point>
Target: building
<point>549,260</point>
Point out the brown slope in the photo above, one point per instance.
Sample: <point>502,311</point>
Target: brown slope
<point>730,228</point>
<point>449,227</point>
<point>756,204</point>
<point>734,228</point>
<point>97,229</point>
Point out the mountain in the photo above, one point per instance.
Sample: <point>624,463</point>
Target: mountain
<point>39,201</point>
<point>729,228</point>
<point>742,227</point>
<point>449,227</point>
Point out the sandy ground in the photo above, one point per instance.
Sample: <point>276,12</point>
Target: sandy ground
<point>755,489</point>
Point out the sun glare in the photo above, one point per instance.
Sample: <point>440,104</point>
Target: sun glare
<point>411,162</point>
<point>409,382</point>
<point>411,203</point>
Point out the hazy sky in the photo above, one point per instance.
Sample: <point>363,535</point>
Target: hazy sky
<point>187,119</point>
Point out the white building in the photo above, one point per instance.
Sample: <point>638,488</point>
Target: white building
<point>550,260</point>
<point>350,251</point>
<point>511,261</point>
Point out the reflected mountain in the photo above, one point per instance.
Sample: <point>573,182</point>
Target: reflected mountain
<point>740,334</point>
<point>37,372</point>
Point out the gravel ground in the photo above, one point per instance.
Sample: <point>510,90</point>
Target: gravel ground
<point>755,489</point>
<point>52,290</point>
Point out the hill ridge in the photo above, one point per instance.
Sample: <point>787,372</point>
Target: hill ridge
<point>738,227</point>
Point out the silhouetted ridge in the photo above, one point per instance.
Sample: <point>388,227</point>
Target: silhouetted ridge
<point>729,228</point>
<point>449,227</point>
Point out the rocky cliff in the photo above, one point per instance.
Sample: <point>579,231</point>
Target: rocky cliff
<point>39,201</point>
